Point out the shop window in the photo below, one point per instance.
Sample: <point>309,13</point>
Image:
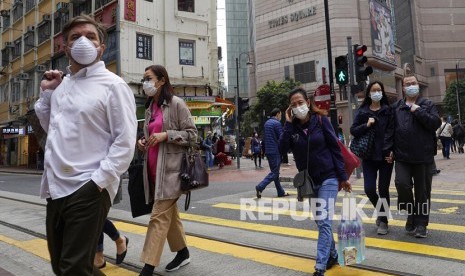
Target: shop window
<point>85,8</point>
<point>30,5</point>
<point>111,48</point>
<point>17,10</point>
<point>186,52</point>
<point>17,49</point>
<point>305,72</point>
<point>44,31</point>
<point>186,5</point>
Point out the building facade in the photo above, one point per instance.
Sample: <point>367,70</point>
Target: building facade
<point>179,34</point>
<point>423,36</point>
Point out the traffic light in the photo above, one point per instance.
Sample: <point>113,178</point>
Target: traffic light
<point>361,72</point>
<point>342,75</point>
<point>243,106</point>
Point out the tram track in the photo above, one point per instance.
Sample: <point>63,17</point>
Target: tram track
<point>136,267</point>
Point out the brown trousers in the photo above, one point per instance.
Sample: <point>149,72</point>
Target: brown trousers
<point>164,224</point>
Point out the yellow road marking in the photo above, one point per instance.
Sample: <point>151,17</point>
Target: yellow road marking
<point>306,214</point>
<point>435,251</point>
<point>38,247</point>
<point>450,210</point>
<point>256,255</point>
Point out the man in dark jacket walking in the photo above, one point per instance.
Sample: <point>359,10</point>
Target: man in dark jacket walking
<point>273,131</point>
<point>410,140</point>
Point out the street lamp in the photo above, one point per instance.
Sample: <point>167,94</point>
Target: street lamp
<point>457,89</point>
<point>236,114</point>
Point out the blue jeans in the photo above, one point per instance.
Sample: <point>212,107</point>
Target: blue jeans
<point>370,173</point>
<point>208,158</point>
<point>325,244</point>
<point>446,141</point>
<point>274,160</point>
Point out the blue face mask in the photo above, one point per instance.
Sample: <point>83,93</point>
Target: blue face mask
<point>376,96</point>
<point>412,90</point>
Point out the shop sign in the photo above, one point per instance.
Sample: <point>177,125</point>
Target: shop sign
<point>293,17</point>
<point>212,112</point>
<point>198,105</point>
<point>13,130</point>
<point>130,10</point>
<point>200,120</point>
<point>199,99</point>
<point>144,46</point>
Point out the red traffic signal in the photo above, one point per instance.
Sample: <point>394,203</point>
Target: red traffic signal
<point>361,72</point>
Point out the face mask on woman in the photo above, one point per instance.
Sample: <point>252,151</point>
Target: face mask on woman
<point>376,96</point>
<point>84,51</point>
<point>301,111</point>
<point>149,88</point>
<point>412,90</point>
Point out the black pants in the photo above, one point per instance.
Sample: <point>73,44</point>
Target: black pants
<point>371,169</point>
<point>416,203</point>
<point>73,226</point>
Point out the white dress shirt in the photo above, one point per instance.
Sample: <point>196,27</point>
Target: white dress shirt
<point>91,123</point>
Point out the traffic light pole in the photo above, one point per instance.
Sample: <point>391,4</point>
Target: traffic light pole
<point>352,101</point>
<point>236,114</point>
<point>332,109</point>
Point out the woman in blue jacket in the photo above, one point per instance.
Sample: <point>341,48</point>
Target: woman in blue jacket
<point>325,165</point>
<point>375,113</point>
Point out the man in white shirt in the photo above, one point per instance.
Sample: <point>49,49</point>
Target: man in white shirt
<point>89,117</point>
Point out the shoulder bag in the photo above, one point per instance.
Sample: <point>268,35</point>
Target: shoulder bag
<point>362,146</point>
<point>303,181</point>
<point>193,173</point>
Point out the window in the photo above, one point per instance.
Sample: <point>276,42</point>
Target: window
<point>60,21</point>
<point>5,21</point>
<point>17,49</point>
<point>5,56</point>
<point>17,10</point>
<point>144,46</point>
<point>111,47</point>
<point>30,5</point>
<point>60,63</point>
<point>186,5</point>
<point>101,3</point>
<point>186,52</point>
<point>85,8</point>
<point>29,83</point>
<point>15,90</point>
<point>29,39</point>
<point>305,72</point>
<point>44,31</point>
<point>287,75</point>
<point>4,93</point>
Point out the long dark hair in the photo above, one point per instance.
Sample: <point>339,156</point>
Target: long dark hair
<point>167,90</point>
<point>367,101</point>
<point>313,108</point>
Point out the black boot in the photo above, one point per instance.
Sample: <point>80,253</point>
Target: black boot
<point>181,259</point>
<point>147,270</point>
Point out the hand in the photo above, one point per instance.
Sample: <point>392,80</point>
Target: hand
<point>370,122</point>
<point>346,186</point>
<point>289,114</point>
<point>414,107</point>
<point>141,144</point>
<point>157,138</point>
<point>390,158</point>
<point>51,79</point>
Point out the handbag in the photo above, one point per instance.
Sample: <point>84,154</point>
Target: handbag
<point>136,190</point>
<point>350,159</point>
<point>362,146</point>
<point>193,173</point>
<point>303,181</point>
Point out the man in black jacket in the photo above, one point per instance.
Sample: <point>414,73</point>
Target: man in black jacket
<point>410,140</point>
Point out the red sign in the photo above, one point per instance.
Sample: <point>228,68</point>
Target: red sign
<point>107,16</point>
<point>130,10</point>
<point>323,97</point>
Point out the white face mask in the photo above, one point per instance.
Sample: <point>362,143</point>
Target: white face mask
<point>376,96</point>
<point>84,51</point>
<point>149,88</point>
<point>412,90</point>
<point>301,111</point>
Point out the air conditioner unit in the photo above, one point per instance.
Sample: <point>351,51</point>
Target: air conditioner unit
<point>16,80</point>
<point>46,17</point>
<point>30,29</point>
<point>41,68</point>
<point>9,45</point>
<point>5,13</point>
<point>24,76</point>
<point>62,7</point>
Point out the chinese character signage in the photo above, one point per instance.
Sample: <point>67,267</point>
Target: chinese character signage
<point>186,53</point>
<point>144,46</point>
<point>130,10</point>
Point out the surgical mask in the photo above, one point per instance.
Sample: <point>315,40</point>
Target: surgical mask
<point>376,96</point>
<point>301,111</point>
<point>84,51</point>
<point>412,90</point>
<point>149,88</point>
